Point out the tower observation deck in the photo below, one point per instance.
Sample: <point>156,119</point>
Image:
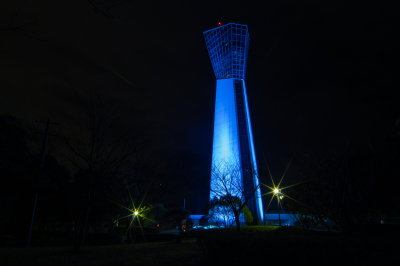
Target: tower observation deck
<point>228,46</point>
<point>233,146</point>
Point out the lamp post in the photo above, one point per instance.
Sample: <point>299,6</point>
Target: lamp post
<point>278,194</point>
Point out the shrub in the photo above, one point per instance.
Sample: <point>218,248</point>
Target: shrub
<point>102,239</point>
<point>137,230</point>
<point>51,239</point>
<point>39,240</point>
<point>156,238</point>
<point>293,246</point>
<point>117,231</point>
<point>7,241</point>
<point>52,233</point>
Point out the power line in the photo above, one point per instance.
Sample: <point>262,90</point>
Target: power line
<point>5,138</point>
<point>16,108</point>
<point>16,125</point>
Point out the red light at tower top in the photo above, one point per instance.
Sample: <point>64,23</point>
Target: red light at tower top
<point>219,23</point>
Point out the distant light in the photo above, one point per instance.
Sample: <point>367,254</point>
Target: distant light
<point>219,23</point>
<point>276,191</point>
<point>136,213</point>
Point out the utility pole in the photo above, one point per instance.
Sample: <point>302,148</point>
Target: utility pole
<point>43,152</point>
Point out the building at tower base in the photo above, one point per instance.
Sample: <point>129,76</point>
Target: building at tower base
<point>234,167</point>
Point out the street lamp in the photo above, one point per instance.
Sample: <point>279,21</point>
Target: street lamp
<point>134,214</point>
<point>278,194</point>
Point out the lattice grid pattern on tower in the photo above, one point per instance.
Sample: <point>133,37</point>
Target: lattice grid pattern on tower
<point>228,46</point>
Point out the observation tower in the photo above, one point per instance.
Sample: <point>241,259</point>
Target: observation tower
<point>233,148</point>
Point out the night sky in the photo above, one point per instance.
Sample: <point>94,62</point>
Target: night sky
<point>314,69</point>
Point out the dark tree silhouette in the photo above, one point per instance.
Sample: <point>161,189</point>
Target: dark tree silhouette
<point>98,145</point>
<point>344,185</point>
<point>113,9</point>
<point>17,17</point>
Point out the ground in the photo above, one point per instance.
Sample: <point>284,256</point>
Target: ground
<point>377,245</point>
<point>185,253</point>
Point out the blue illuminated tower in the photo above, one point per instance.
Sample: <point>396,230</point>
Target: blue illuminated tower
<point>228,47</point>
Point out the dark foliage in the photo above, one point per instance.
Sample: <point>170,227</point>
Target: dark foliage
<point>100,239</point>
<point>151,238</point>
<point>352,185</point>
<point>175,215</point>
<point>7,241</point>
<point>289,245</point>
<point>20,166</point>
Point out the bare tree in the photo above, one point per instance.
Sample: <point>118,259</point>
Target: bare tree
<point>148,176</point>
<point>342,186</point>
<point>113,9</point>
<point>220,208</point>
<point>16,18</point>
<point>227,182</point>
<point>98,145</point>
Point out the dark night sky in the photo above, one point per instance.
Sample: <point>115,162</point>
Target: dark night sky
<point>313,68</point>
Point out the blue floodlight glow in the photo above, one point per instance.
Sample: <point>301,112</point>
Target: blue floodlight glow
<point>233,139</point>
<point>225,142</point>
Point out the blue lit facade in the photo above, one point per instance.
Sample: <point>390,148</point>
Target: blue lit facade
<point>233,141</point>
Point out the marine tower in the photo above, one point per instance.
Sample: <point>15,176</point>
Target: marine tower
<point>228,47</point>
